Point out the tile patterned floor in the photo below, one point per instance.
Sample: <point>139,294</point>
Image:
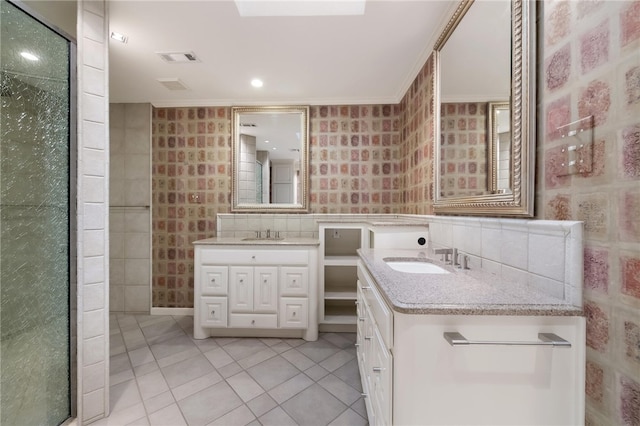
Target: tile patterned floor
<point>160,375</point>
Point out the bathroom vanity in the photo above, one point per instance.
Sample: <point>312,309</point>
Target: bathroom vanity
<point>462,347</point>
<point>256,287</point>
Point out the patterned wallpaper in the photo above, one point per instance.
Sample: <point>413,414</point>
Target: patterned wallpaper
<point>463,145</point>
<point>416,148</point>
<point>354,159</point>
<point>191,162</point>
<point>377,158</point>
<point>354,168</point>
<point>590,65</point>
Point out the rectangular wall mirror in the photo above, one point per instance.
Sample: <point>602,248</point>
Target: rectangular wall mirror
<point>270,159</point>
<point>484,94</point>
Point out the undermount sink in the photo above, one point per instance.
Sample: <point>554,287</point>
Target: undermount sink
<point>262,239</point>
<point>417,266</point>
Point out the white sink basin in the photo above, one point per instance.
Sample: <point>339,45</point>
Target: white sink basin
<point>416,267</point>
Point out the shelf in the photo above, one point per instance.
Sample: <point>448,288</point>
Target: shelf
<point>341,260</point>
<point>340,295</point>
<point>339,319</point>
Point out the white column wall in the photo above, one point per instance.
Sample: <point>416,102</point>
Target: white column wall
<point>93,218</point>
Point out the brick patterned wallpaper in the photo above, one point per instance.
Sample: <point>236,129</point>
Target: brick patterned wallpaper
<point>590,65</point>
<point>464,146</point>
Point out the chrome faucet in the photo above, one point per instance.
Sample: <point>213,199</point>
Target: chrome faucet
<point>445,252</point>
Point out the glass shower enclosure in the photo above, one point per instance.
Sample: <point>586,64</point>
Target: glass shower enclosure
<point>37,219</point>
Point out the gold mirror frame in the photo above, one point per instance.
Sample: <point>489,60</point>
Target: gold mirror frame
<point>518,203</point>
<point>303,196</point>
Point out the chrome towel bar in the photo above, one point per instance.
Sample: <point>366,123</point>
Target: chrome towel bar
<point>546,339</point>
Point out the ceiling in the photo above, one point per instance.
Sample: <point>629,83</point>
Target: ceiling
<point>315,60</point>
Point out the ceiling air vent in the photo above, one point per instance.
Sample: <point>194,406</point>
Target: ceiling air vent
<point>178,57</point>
<point>172,83</point>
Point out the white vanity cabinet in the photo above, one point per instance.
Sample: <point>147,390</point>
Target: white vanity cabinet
<point>412,375</point>
<point>251,290</point>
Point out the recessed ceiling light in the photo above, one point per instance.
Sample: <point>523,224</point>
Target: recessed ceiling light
<point>266,141</point>
<point>119,37</point>
<point>29,56</point>
<point>256,82</point>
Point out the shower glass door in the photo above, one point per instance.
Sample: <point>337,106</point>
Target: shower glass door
<point>36,220</point>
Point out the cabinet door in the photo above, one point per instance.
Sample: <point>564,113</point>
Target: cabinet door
<point>294,312</point>
<point>265,292</point>
<point>213,311</point>
<point>294,281</point>
<point>241,289</point>
<point>213,280</point>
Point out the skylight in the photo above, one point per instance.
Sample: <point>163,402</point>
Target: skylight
<point>248,8</point>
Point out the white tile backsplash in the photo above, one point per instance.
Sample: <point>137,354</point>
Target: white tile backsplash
<point>547,255</point>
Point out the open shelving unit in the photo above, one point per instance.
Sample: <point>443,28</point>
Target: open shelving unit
<point>339,243</point>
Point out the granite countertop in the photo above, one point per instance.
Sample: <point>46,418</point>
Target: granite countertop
<point>377,221</point>
<point>240,241</point>
<point>461,292</point>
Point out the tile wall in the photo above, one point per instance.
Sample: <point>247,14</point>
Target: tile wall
<point>129,212</point>
<point>92,333</point>
<point>590,65</point>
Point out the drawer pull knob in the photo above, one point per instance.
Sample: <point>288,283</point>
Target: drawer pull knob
<point>546,339</point>
<point>253,257</point>
<point>213,313</point>
<point>294,313</point>
<point>360,319</point>
<point>213,280</point>
<point>367,338</point>
<point>377,369</point>
<point>253,322</point>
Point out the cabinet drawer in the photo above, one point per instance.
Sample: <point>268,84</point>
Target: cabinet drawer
<point>294,312</point>
<point>213,311</point>
<point>248,256</point>
<point>381,314</point>
<point>294,281</point>
<point>253,320</point>
<point>214,280</point>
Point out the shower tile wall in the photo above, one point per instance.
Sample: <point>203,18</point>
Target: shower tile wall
<point>130,216</point>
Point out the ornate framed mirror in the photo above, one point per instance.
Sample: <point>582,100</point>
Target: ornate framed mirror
<point>270,159</point>
<point>485,69</point>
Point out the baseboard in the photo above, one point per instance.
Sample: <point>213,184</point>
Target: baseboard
<point>172,311</point>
